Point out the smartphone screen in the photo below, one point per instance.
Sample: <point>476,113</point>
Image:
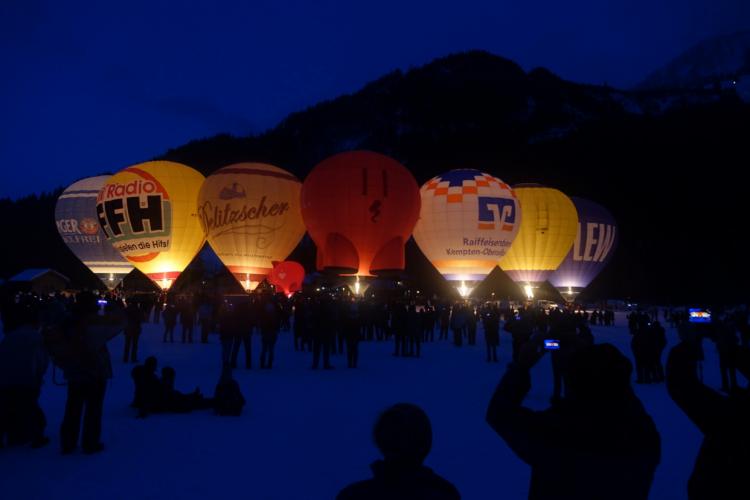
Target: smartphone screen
<point>551,345</point>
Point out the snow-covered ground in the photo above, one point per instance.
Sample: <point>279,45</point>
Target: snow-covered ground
<point>305,434</point>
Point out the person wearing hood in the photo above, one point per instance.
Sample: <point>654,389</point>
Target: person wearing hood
<point>597,442</point>
<point>403,434</point>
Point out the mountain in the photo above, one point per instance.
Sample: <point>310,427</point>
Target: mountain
<point>663,161</point>
<point>717,62</point>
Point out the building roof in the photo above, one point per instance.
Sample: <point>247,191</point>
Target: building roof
<point>32,274</point>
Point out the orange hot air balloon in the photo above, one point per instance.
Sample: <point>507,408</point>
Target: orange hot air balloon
<point>287,276</point>
<point>360,208</point>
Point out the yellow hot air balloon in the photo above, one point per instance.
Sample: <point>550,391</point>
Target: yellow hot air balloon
<point>251,215</point>
<point>467,222</point>
<point>548,229</point>
<point>149,213</point>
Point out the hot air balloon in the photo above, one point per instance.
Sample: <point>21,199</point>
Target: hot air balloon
<point>149,213</point>
<point>75,217</point>
<point>594,244</point>
<point>467,222</point>
<point>251,215</point>
<point>360,208</point>
<point>545,238</point>
<point>287,276</point>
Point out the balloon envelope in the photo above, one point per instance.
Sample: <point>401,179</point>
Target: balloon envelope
<point>595,241</point>
<point>75,217</point>
<point>149,213</point>
<point>467,222</point>
<point>546,235</point>
<point>287,276</point>
<point>251,215</point>
<point>360,208</point>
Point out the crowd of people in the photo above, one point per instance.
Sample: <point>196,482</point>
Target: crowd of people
<point>596,439</point>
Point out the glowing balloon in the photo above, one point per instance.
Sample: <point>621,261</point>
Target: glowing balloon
<point>148,212</point>
<point>251,215</point>
<point>75,217</point>
<point>546,235</point>
<point>594,244</point>
<point>467,223</point>
<point>287,276</point>
<point>360,208</point>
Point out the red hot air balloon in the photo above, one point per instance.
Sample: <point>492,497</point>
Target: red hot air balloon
<point>360,208</point>
<point>287,276</point>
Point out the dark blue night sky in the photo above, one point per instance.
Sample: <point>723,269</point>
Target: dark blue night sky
<point>88,87</point>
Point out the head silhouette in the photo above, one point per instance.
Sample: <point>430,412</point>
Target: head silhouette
<point>150,364</point>
<point>599,372</point>
<point>403,434</point>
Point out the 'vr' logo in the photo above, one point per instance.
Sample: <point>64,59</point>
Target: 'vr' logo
<point>496,211</point>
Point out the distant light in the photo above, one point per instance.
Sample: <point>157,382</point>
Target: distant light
<point>111,277</point>
<point>529,292</point>
<point>356,286</point>
<point>463,290</point>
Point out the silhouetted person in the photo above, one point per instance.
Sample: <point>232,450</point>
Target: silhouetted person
<point>520,329</point>
<point>23,363</point>
<point>322,332</point>
<point>228,400</point>
<point>187,318</point>
<point>133,318</point>
<point>158,307</point>
<point>174,401</point>
<point>230,329</point>
<point>723,461</point>
<point>596,443</point>
<point>205,317</point>
<point>725,337</point>
<point>458,324</point>
<point>491,324</point>
<point>147,387</point>
<point>657,343</point>
<point>243,334</point>
<point>445,321</point>
<point>170,321</point>
<point>351,327</point>
<point>414,331</point>
<point>471,326</point>
<point>403,435</point>
<point>270,323</point>
<point>87,376</point>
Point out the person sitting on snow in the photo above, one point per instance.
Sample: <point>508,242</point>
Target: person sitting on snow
<point>228,399</point>
<point>147,387</point>
<point>403,435</point>
<point>174,401</point>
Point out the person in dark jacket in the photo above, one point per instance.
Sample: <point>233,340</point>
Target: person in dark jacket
<point>23,363</point>
<point>87,375</point>
<point>245,317</point>
<point>403,435</point>
<point>147,387</point>
<point>596,443</point>
<point>174,401</point>
<point>724,457</point>
<point>170,321</point>
<point>270,323</point>
<point>187,318</point>
<point>351,326</point>
<point>491,324</point>
<point>134,316</point>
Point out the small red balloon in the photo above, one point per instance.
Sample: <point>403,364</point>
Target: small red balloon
<point>360,208</point>
<point>287,276</point>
